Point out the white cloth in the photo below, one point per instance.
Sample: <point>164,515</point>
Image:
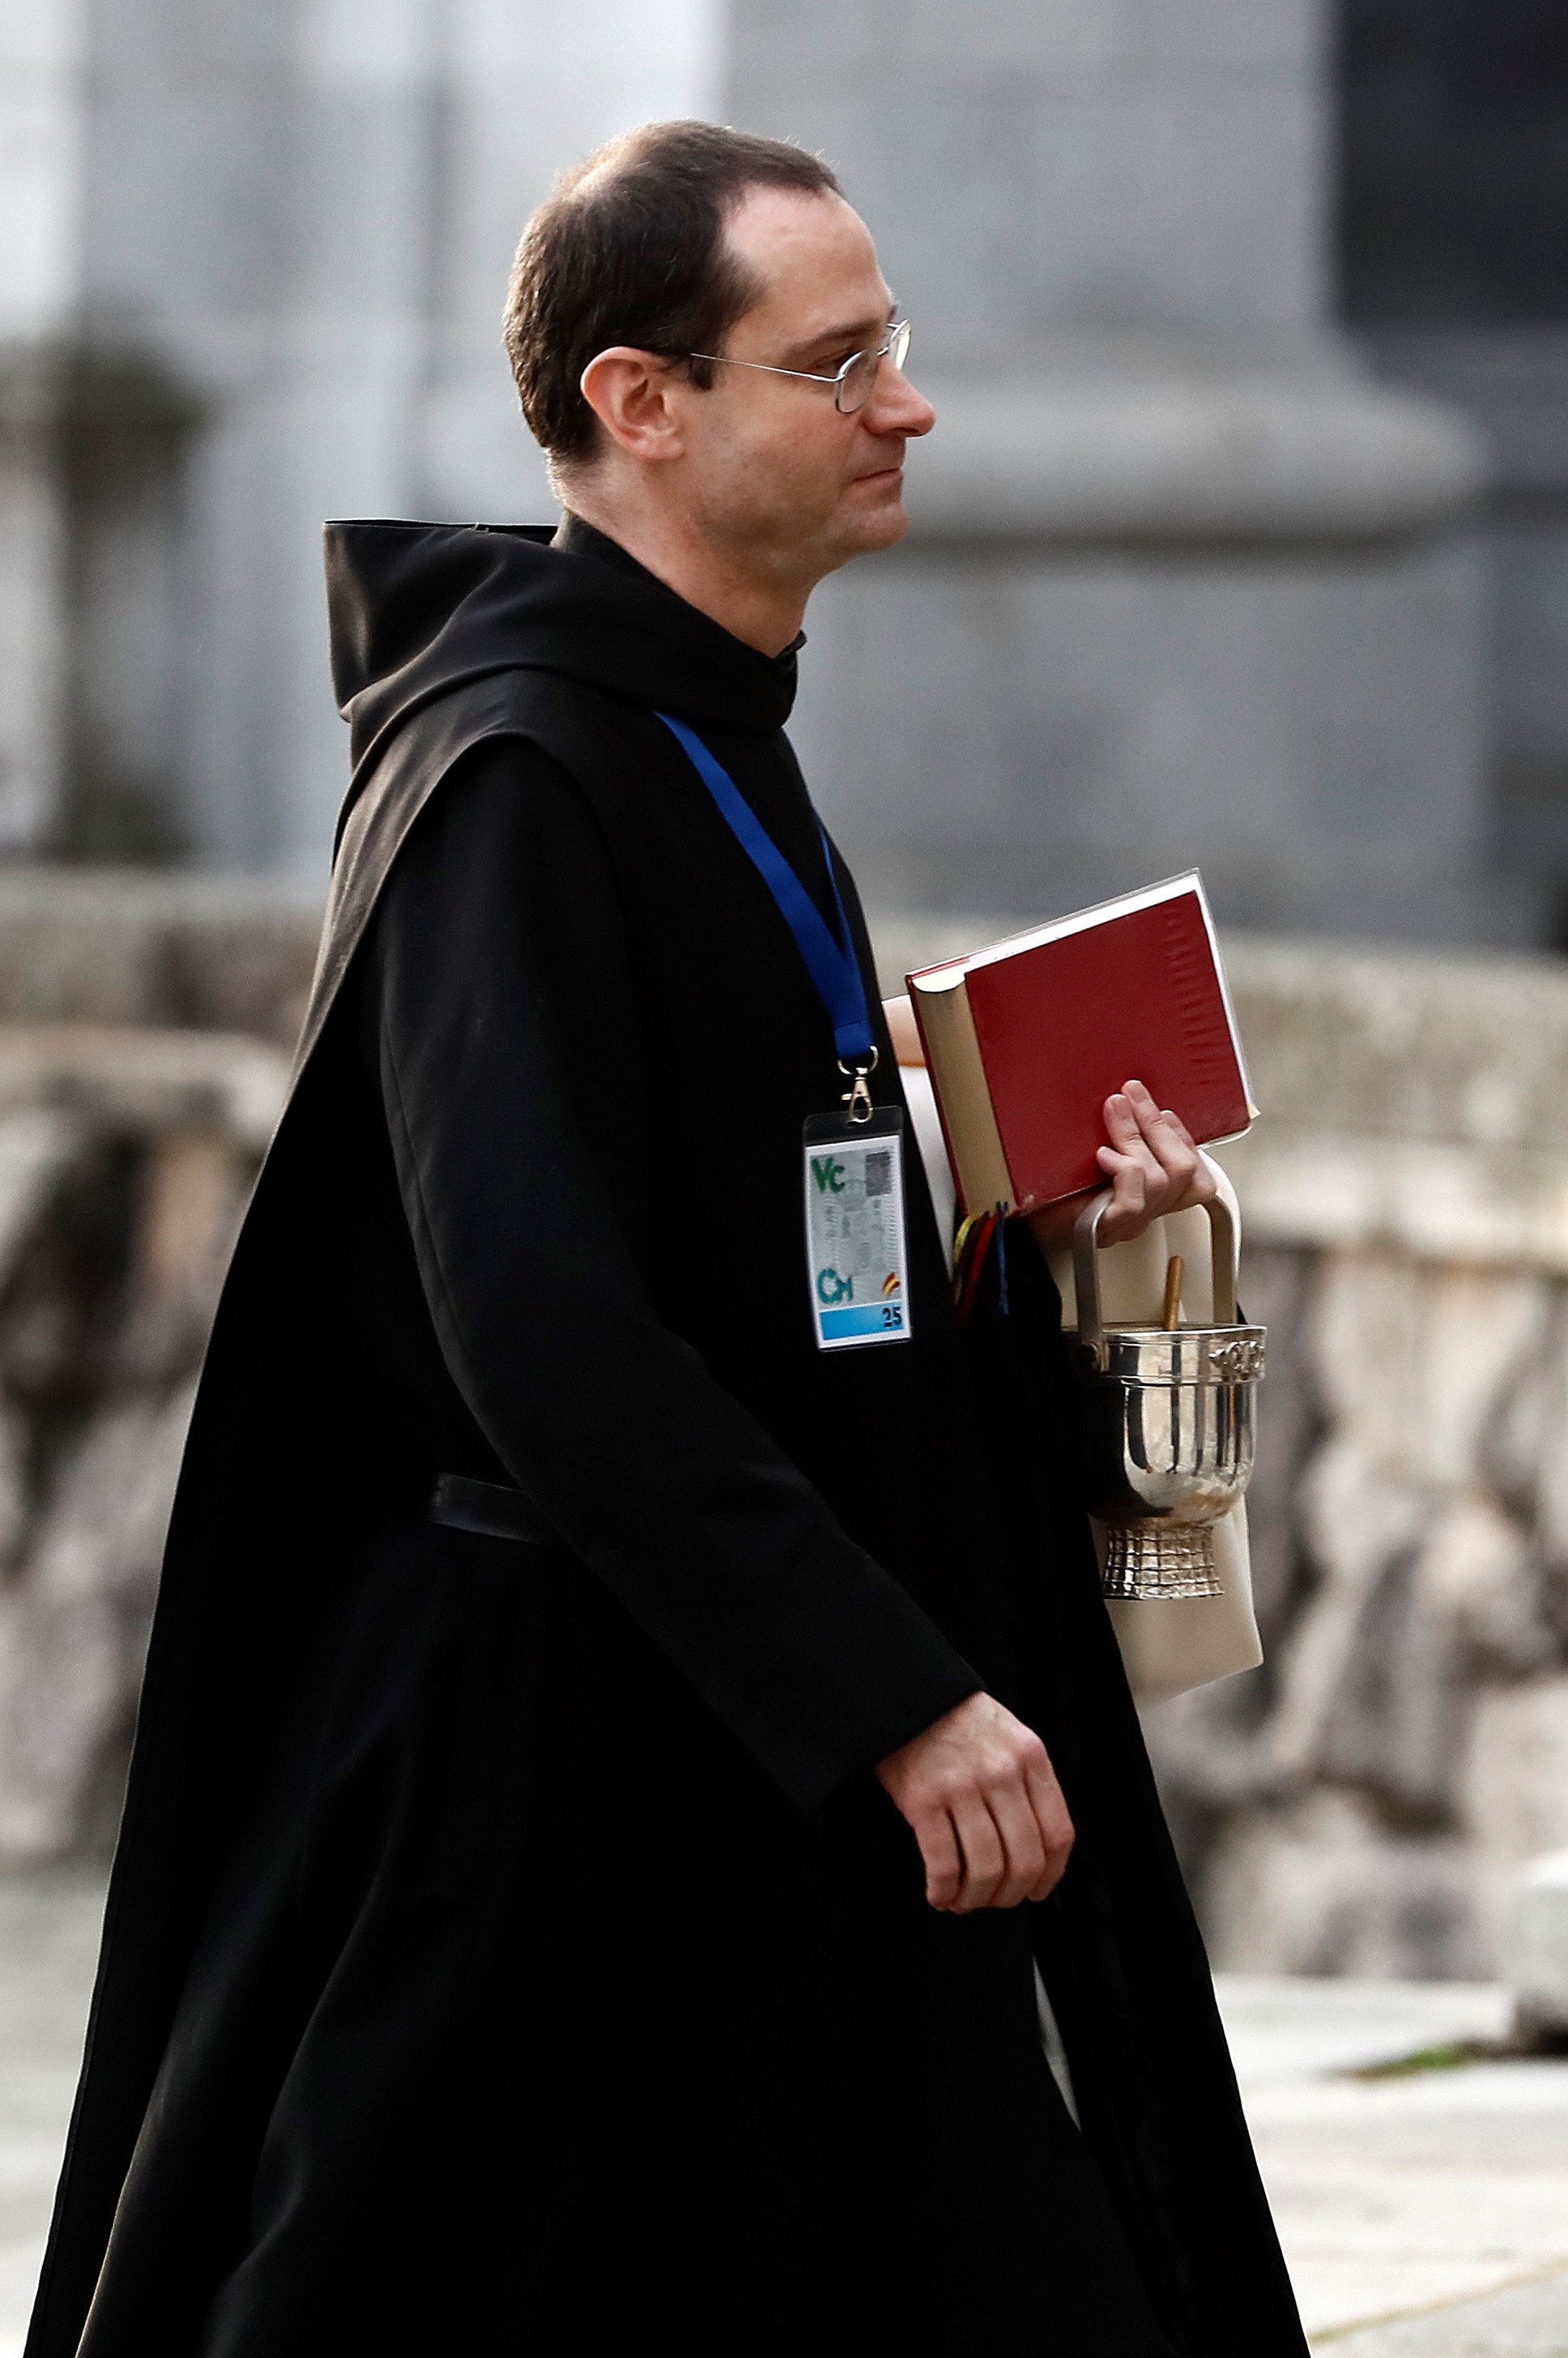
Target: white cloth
<point>927,1124</point>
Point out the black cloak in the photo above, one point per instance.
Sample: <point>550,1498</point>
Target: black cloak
<point>509,1947</point>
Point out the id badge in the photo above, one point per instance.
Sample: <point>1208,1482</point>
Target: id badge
<point>856,1260</point>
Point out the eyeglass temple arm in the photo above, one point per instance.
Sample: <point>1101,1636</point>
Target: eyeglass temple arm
<point>808,376</point>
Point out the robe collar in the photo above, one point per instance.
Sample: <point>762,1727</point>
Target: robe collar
<point>420,610</point>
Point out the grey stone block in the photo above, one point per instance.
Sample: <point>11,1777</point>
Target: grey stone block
<point>1226,35</point>
<point>1080,166</point>
<point>774,41</point>
<point>1165,205</point>
<point>1076,723</point>
<point>1100,444</point>
<point>203,952</point>
<point>1536,1956</point>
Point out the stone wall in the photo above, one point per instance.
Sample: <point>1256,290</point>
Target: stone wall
<point>145,1029</point>
<point>1364,1806</point>
<point>1358,1805</point>
<point>126,1156</point>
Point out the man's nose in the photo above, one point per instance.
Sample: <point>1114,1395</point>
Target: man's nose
<point>895,407</point>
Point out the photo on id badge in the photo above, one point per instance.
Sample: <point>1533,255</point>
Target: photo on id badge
<point>856,1258</point>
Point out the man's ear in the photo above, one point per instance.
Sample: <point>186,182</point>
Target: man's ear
<point>628,392</point>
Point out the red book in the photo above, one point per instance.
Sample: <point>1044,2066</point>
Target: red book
<point>1025,1042</point>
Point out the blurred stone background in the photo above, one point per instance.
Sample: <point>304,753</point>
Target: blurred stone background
<point>1242,541</point>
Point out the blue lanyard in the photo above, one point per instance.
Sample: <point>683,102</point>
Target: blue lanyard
<point>832,964</point>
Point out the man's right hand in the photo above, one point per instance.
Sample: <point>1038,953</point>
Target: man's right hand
<point>979,1789</point>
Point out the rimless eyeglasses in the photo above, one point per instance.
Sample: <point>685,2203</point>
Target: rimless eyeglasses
<point>851,384</point>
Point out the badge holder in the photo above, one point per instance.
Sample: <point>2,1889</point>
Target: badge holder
<point>856,1247</point>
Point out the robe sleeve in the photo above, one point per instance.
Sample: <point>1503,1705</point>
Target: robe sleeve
<point>498,1005</point>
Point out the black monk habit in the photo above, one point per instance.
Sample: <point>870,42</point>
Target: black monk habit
<point>510,1948</point>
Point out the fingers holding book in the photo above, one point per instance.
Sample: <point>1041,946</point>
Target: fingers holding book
<point>1152,1163</point>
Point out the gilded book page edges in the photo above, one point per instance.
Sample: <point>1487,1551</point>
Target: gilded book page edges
<point>941,1003</point>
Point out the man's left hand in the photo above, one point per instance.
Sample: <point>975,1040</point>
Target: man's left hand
<point>1153,1167</point>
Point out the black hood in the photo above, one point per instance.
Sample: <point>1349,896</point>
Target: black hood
<point>417,610</point>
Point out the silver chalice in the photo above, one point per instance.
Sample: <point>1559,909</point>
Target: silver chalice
<point>1169,1424</point>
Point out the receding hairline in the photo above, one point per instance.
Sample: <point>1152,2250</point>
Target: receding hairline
<point>833,330</point>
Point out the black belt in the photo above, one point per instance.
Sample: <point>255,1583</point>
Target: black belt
<point>493,1509</point>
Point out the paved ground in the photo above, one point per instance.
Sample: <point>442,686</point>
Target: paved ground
<point>48,1937</point>
<point>1424,2216</point>
<point>1425,2213</point>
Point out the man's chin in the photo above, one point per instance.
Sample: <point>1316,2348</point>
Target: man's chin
<point>882,521</point>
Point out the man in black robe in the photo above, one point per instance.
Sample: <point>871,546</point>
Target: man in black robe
<point>595,1741</point>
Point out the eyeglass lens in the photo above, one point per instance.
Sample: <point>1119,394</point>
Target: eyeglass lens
<point>854,384</point>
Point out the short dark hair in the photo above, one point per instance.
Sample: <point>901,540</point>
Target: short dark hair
<point>629,248</point>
